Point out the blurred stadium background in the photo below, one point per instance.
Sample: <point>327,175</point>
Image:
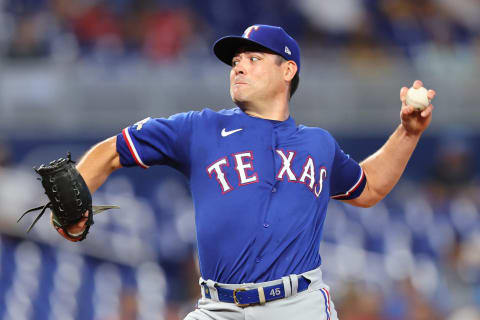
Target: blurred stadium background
<point>75,72</point>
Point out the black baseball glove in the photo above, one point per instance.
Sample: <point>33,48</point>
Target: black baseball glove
<point>68,194</point>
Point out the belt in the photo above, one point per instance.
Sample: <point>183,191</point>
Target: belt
<point>244,297</point>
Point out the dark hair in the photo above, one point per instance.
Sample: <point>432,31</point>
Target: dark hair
<point>296,79</point>
<point>294,84</point>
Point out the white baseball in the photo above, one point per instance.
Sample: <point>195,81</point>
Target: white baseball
<point>417,98</point>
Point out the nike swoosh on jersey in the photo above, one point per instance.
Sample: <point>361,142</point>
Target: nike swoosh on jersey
<point>227,133</point>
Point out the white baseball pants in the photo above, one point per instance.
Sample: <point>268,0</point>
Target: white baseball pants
<point>313,303</point>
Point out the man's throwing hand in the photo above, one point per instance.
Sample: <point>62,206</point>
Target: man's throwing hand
<point>415,122</point>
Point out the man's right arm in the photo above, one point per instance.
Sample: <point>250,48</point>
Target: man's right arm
<point>95,167</point>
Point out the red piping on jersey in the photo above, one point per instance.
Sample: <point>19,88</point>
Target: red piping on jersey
<point>349,192</point>
<point>131,150</point>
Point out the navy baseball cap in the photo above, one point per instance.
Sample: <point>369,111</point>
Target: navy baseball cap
<point>268,37</point>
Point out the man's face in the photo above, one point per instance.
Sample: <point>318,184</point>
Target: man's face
<point>255,76</point>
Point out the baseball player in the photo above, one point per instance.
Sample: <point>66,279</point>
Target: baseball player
<point>259,182</point>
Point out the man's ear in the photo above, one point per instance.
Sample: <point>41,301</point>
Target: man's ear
<point>290,70</point>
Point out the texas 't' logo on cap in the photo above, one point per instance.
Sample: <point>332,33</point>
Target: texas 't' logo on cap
<point>246,33</point>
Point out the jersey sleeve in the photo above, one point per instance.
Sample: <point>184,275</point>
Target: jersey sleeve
<point>158,141</point>
<point>347,180</point>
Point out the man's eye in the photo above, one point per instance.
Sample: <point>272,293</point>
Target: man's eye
<point>254,59</point>
<point>234,63</point>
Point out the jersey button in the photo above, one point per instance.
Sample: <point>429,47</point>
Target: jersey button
<point>266,225</point>
<point>274,189</point>
<point>258,259</point>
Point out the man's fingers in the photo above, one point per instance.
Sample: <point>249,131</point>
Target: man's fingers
<point>428,111</point>
<point>84,220</point>
<point>403,93</point>
<point>75,229</point>
<point>417,84</point>
<point>80,225</point>
<point>407,110</point>
<point>431,94</point>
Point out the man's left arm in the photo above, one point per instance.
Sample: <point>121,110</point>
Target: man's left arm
<point>384,168</point>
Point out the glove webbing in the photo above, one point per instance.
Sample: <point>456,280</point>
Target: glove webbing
<point>96,210</point>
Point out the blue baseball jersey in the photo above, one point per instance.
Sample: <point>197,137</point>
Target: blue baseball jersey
<point>260,187</point>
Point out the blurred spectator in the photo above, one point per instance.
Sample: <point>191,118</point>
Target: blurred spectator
<point>29,37</point>
<point>365,51</point>
<point>96,28</point>
<point>401,24</point>
<point>453,172</point>
<point>360,303</point>
<point>340,18</point>
<point>166,34</point>
<point>114,30</point>
<point>407,302</point>
<point>5,156</point>
<point>467,313</point>
<point>462,272</point>
<point>128,306</point>
<point>231,17</point>
<point>162,30</point>
<point>466,12</point>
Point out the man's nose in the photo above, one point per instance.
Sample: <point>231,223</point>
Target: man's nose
<point>239,68</point>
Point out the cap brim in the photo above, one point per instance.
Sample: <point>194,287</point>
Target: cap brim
<point>226,47</point>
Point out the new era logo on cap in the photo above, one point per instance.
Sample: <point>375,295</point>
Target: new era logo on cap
<point>270,37</point>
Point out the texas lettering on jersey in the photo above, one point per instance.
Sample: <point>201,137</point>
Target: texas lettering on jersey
<point>260,187</point>
<point>244,168</point>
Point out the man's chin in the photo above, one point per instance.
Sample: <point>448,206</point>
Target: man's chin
<point>238,100</point>
<point>239,104</point>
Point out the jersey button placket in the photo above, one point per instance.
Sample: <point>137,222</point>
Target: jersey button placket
<point>266,224</point>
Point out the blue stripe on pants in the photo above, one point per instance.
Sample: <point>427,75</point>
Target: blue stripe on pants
<point>326,304</point>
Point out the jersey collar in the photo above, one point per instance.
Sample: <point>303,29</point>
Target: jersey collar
<point>283,128</point>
